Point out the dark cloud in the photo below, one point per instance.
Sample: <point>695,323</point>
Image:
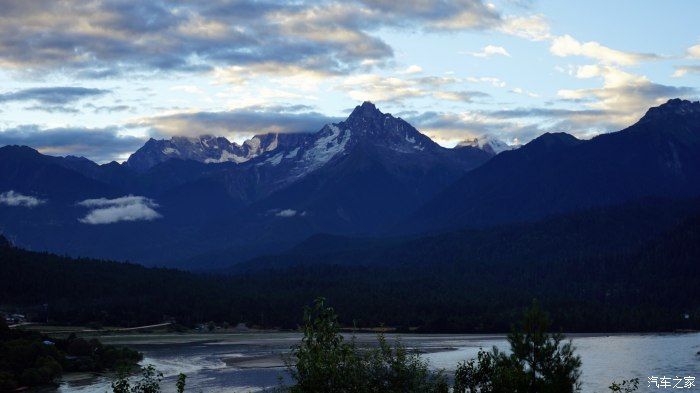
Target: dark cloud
<point>246,121</point>
<point>108,108</point>
<point>439,14</point>
<point>98,144</point>
<point>52,95</point>
<point>53,109</point>
<point>100,39</point>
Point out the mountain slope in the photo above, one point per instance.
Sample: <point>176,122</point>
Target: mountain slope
<point>24,169</point>
<point>581,234</point>
<point>659,156</point>
<point>386,169</point>
<point>599,290</point>
<point>350,177</point>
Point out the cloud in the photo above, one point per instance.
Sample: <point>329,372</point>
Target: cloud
<point>490,50</point>
<point>412,69</point>
<point>460,96</point>
<point>126,208</point>
<point>624,96</point>
<point>104,39</point>
<point>108,108</point>
<point>432,15</point>
<point>53,109</point>
<point>240,122</point>
<point>542,113</point>
<point>449,128</point>
<point>98,144</point>
<point>566,45</point>
<point>287,213</point>
<point>379,88</point>
<point>52,95</point>
<point>12,198</point>
<point>495,82</point>
<point>694,51</point>
<point>684,70</point>
<point>534,27</point>
<point>610,108</point>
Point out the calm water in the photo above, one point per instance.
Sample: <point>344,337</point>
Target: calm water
<point>252,362</point>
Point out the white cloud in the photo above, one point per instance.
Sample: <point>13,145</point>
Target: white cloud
<point>12,198</point>
<point>519,90</point>
<point>491,50</point>
<point>684,70</point>
<point>378,88</point>
<point>413,69</point>
<point>496,82</point>
<point>126,208</point>
<point>566,45</point>
<point>694,51</point>
<point>534,27</point>
<point>624,96</point>
<point>287,213</point>
<point>449,128</point>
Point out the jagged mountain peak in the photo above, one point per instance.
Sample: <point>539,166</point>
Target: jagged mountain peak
<point>369,125</point>
<point>204,148</point>
<point>673,108</point>
<point>366,110</point>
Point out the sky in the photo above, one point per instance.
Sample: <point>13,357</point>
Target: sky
<point>96,78</point>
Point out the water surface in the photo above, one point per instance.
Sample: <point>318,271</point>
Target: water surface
<point>250,362</point>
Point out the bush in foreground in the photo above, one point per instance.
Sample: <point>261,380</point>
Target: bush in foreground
<point>326,362</point>
<point>29,359</point>
<point>538,362</point>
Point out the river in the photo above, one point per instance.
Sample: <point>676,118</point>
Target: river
<point>250,362</point>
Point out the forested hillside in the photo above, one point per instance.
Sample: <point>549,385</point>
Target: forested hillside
<point>640,275</point>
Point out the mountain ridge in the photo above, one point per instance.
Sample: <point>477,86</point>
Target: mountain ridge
<point>659,156</point>
<point>354,176</point>
<point>366,119</point>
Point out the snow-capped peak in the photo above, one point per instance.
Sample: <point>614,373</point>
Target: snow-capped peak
<point>487,143</point>
<point>204,148</point>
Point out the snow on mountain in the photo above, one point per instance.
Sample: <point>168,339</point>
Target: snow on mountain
<point>206,148</point>
<point>298,154</point>
<point>487,143</point>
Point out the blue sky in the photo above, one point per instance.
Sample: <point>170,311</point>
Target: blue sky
<point>95,78</point>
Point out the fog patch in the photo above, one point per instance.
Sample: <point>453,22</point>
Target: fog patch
<point>12,198</point>
<point>286,213</point>
<point>126,208</point>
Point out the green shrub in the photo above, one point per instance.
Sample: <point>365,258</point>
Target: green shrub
<point>326,362</point>
<point>539,362</point>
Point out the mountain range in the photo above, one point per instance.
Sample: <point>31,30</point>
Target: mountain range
<point>207,203</point>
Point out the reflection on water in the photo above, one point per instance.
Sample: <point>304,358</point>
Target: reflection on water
<point>253,362</point>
